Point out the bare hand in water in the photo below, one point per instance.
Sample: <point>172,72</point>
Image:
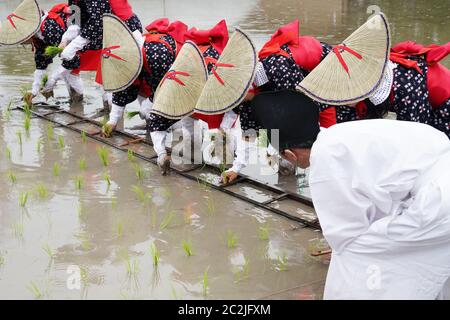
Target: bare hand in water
<point>228,177</point>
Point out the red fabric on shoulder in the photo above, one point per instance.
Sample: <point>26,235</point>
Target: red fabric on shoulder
<point>122,9</point>
<point>217,36</point>
<point>287,34</point>
<point>327,118</point>
<point>213,121</point>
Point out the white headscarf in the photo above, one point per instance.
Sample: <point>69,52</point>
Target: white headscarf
<point>383,91</point>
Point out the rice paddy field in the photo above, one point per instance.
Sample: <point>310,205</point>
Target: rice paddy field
<point>75,211</point>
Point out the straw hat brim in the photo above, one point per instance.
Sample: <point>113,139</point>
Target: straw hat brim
<point>331,84</point>
<point>122,62</point>
<point>180,89</point>
<point>236,70</point>
<point>27,21</point>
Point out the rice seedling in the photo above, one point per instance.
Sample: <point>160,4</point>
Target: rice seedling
<point>107,129</point>
<point>56,169</point>
<point>156,254</point>
<point>81,210</point>
<point>61,143</point>
<point>281,262</point>
<point>205,282</point>
<point>232,239</point>
<point>166,222</point>
<point>44,81</point>
<point>7,113</point>
<point>140,194</point>
<point>131,156</point>
<point>107,179</point>
<point>130,115</point>
<point>39,144</point>
<point>82,163</point>
<point>83,137</point>
<point>84,275</point>
<point>103,153</point>
<point>119,226</point>
<point>23,199</point>
<point>79,182</point>
<point>138,172</point>
<point>50,131</point>
<point>187,247</point>
<point>48,251</point>
<point>35,290</point>
<point>263,233</point>
<point>27,123</point>
<point>12,177</point>
<point>2,260</point>
<point>17,229</point>
<point>8,153</point>
<point>19,136</point>
<point>114,203</point>
<point>52,51</point>
<point>211,206</point>
<point>41,190</point>
<point>244,272</point>
<point>132,267</point>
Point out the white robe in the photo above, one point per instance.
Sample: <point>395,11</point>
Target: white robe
<point>381,189</point>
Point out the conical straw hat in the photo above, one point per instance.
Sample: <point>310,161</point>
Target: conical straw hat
<point>178,92</point>
<point>22,24</point>
<point>354,69</point>
<point>122,56</point>
<point>232,77</point>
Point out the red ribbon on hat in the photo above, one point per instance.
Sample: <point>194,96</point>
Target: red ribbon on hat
<point>343,47</point>
<point>13,15</point>
<point>216,66</point>
<point>106,53</point>
<point>172,75</point>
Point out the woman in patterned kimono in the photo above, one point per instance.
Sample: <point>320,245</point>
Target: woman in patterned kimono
<point>284,61</point>
<point>211,43</point>
<point>416,87</point>
<point>160,47</point>
<point>51,31</point>
<point>82,44</point>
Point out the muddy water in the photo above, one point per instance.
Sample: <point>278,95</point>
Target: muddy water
<point>107,232</point>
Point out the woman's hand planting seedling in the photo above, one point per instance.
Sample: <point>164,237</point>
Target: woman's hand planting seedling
<point>107,130</point>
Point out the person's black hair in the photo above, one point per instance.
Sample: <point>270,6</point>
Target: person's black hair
<point>376,112</point>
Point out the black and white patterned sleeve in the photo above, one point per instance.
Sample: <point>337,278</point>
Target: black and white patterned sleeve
<point>92,29</point>
<point>52,33</point>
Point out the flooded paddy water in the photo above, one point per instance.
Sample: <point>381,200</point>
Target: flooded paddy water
<point>59,216</point>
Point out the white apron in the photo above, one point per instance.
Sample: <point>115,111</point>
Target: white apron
<point>381,189</point>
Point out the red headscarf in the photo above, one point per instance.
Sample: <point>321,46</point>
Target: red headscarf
<point>217,36</point>
<point>287,34</point>
<point>122,9</point>
<point>176,29</point>
<point>438,77</point>
<point>306,50</point>
<point>54,14</point>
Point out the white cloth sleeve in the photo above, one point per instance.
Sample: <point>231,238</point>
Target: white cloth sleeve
<point>139,38</point>
<point>38,76</point>
<point>71,50</point>
<point>229,119</point>
<point>159,142</point>
<point>145,106</point>
<point>242,156</point>
<point>72,32</point>
<point>116,114</point>
<point>260,75</point>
